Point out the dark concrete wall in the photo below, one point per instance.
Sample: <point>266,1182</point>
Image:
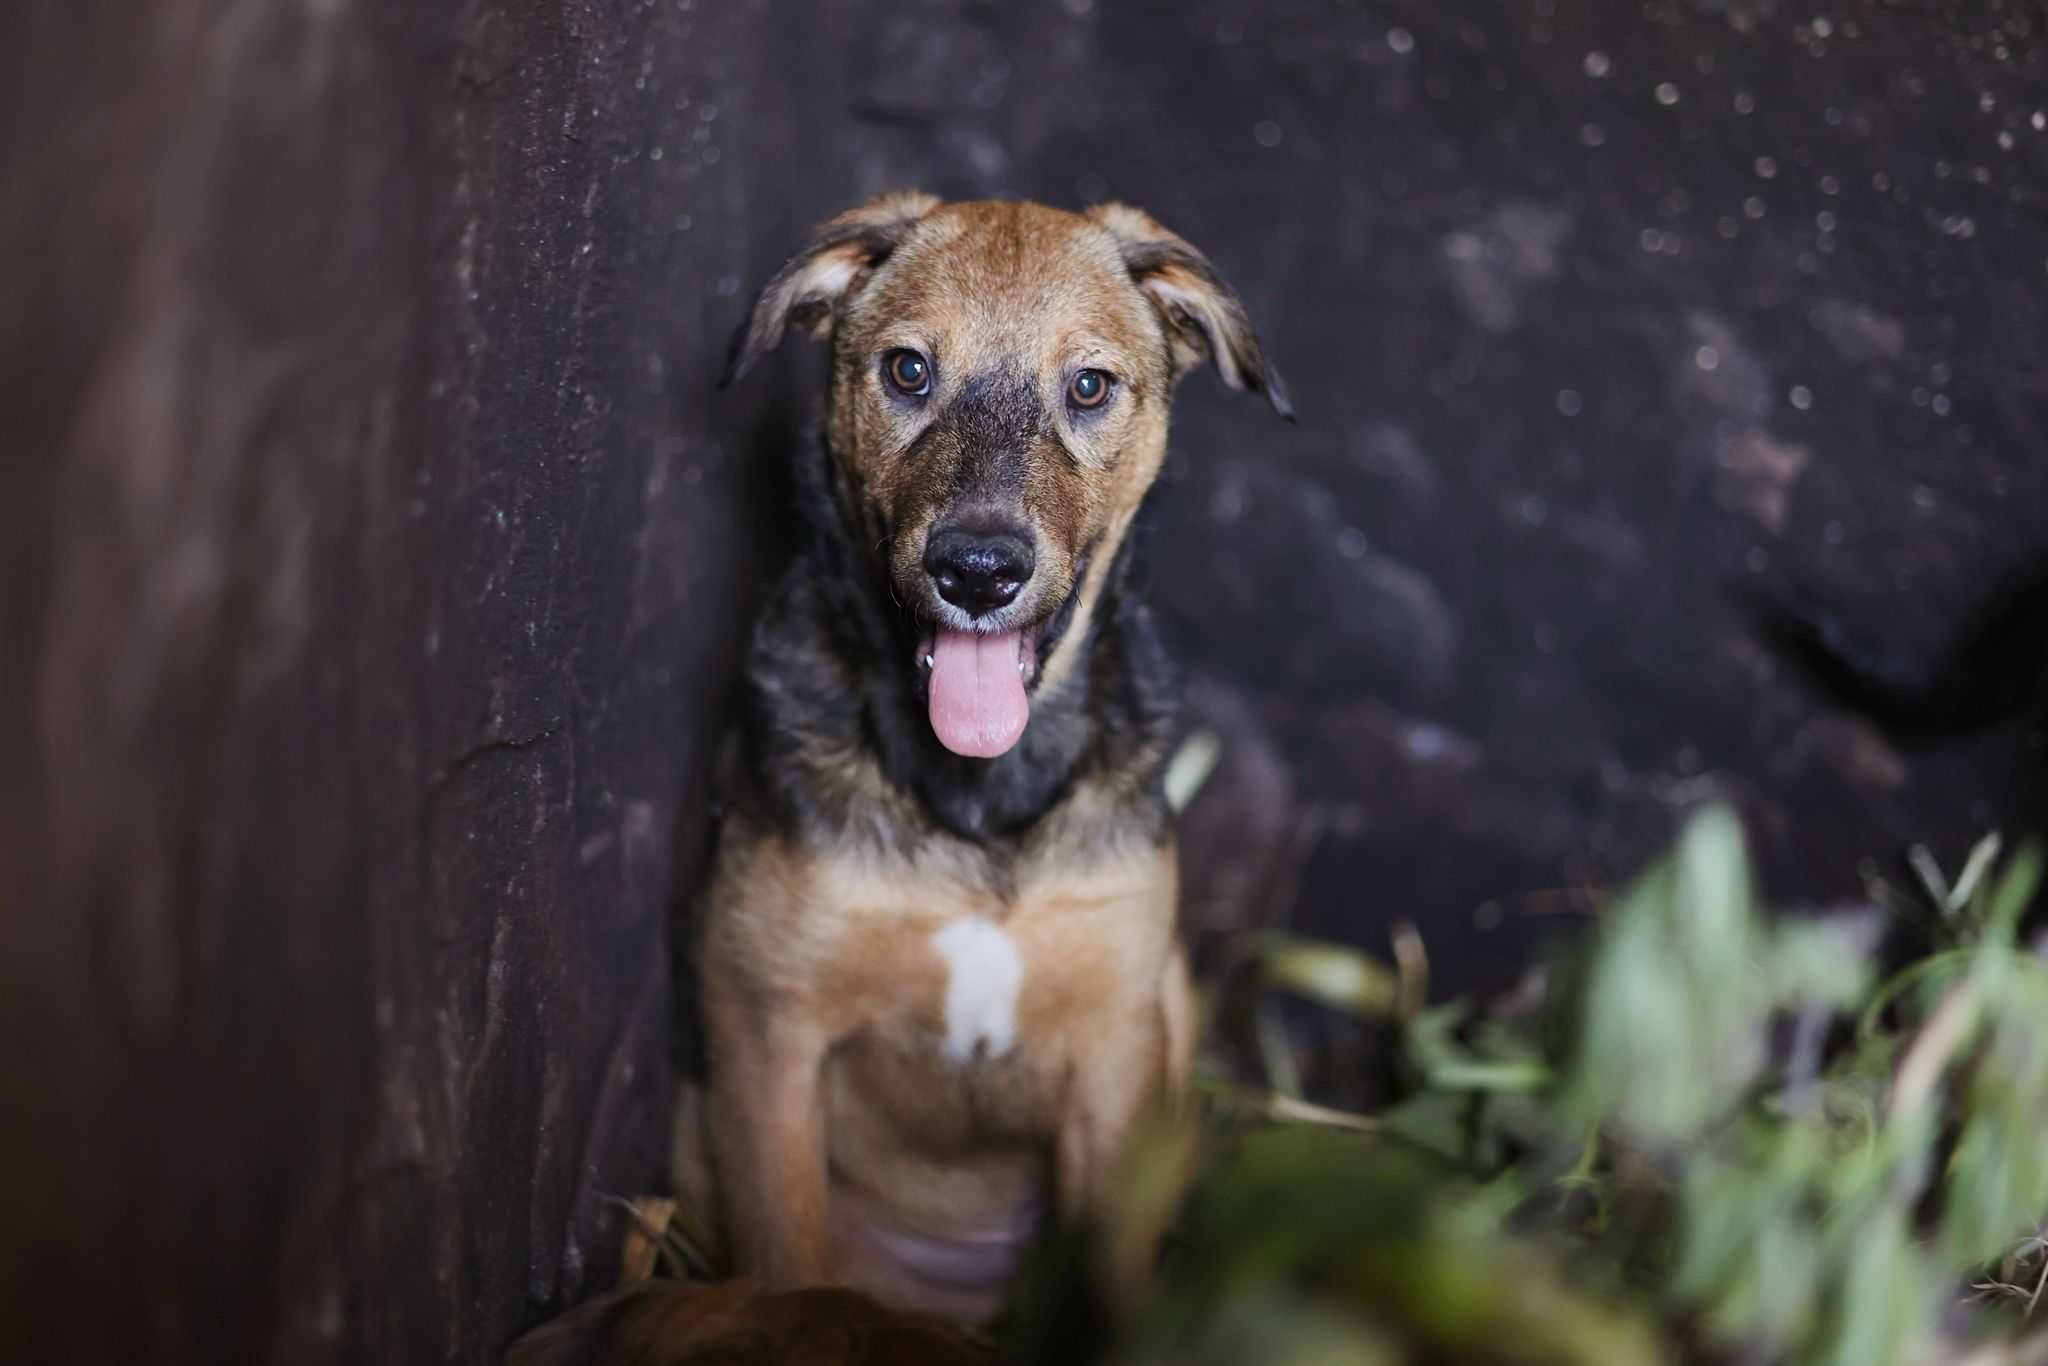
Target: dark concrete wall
<point>373,550</point>
<point>369,584</point>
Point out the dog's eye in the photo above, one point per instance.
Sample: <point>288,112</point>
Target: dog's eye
<point>1088,389</point>
<point>909,372</point>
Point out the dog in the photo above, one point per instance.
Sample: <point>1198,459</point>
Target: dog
<point>937,966</point>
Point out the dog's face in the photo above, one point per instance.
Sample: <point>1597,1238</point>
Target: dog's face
<point>1001,374</point>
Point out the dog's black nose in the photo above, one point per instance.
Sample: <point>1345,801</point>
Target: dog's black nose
<point>977,571</point>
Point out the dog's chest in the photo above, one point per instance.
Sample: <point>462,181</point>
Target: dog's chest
<point>986,985</point>
<point>949,974</point>
<point>967,1017</point>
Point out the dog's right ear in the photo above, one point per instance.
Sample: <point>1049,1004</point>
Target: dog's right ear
<point>812,284</point>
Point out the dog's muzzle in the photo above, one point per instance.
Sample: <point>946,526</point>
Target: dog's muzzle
<point>978,572</point>
<point>976,689</point>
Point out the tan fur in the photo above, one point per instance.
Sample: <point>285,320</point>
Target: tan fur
<point>823,1043</point>
<point>831,1115</point>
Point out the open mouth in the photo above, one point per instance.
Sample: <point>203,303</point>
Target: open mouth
<point>975,686</point>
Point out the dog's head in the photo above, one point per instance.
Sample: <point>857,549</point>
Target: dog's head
<point>1001,374</point>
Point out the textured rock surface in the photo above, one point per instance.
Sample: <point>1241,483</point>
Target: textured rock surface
<point>369,589</point>
<point>373,549</point>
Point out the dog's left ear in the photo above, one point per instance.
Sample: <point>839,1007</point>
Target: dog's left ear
<point>812,284</point>
<point>1204,318</point>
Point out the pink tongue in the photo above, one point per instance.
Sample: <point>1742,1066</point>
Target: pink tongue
<point>978,705</point>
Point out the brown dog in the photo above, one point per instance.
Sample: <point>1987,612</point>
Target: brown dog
<point>937,965</point>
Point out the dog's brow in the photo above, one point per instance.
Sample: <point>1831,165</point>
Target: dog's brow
<point>903,333</point>
<point>1088,347</point>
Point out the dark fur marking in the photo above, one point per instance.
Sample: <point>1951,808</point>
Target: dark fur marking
<point>830,670</point>
<point>997,419</point>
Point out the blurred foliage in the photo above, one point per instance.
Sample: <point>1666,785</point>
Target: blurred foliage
<point>1713,1136</point>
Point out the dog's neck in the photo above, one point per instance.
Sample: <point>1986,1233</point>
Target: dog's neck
<point>833,672</point>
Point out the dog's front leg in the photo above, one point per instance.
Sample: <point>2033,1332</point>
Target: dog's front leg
<point>1145,1062</point>
<point>768,1141</point>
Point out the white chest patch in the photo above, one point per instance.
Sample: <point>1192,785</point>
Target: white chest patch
<point>983,973</point>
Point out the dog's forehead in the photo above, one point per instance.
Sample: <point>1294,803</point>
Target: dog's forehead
<point>1002,272</point>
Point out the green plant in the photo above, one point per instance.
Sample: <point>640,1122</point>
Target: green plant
<point>1724,1137</point>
